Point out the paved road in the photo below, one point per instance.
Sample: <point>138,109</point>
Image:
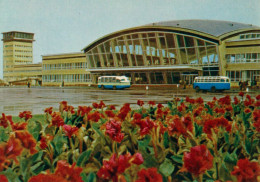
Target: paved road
<point>16,99</point>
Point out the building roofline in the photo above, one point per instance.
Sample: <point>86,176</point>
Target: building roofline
<point>17,32</point>
<point>62,54</point>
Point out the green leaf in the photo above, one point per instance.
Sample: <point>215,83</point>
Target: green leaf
<point>11,175</point>
<point>37,168</point>
<point>209,109</point>
<point>245,118</point>
<point>35,129</point>
<point>237,139</point>
<point>83,158</point>
<point>198,130</point>
<point>224,173</point>
<point>90,178</point>
<point>177,158</point>
<point>36,157</point>
<point>4,136</point>
<point>96,127</point>
<point>166,168</point>
<point>58,142</point>
<point>166,140</point>
<point>226,136</point>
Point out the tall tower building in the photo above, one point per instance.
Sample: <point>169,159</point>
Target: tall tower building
<point>17,50</point>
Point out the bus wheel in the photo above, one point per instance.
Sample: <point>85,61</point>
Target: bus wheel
<point>213,89</point>
<point>114,87</point>
<point>102,87</point>
<point>197,89</point>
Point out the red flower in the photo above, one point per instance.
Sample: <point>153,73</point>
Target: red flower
<point>110,113</point>
<point>197,112</point>
<point>63,106</point>
<point>149,175</point>
<point>98,106</point>
<point>199,100</point>
<point>9,151</point>
<point>69,130</point>
<point>137,159</point>
<point>191,101</point>
<point>247,110</point>
<point>48,110</point>
<point>64,172</point>
<point>68,172</point>
<point>3,178</point>
<point>57,120</point>
<point>5,120</point>
<point>146,125</point>
<point>151,103</point>
<point>113,130</point>
<point>137,116</point>
<point>225,100</point>
<point>47,177</point>
<point>198,160</point>
<point>241,94</point>
<point>220,110</point>
<point>19,126</point>
<point>82,110</point>
<point>27,140</point>
<point>246,171</point>
<point>140,103</point>
<point>256,117</point>
<point>257,104</point>
<point>258,97</point>
<point>94,116</point>
<point>124,111</point>
<point>111,107</point>
<point>115,166</point>
<point>43,143</point>
<point>95,105</point>
<point>182,107</point>
<point>26,115</point>
<point>179,126</point>
<point>214,124</point>
<point>236,101</point>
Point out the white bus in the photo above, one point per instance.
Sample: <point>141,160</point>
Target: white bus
<point>211,83</point>
<point>113,82</point>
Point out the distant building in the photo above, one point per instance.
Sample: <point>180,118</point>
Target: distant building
<point>68,69</point>
<point>167,52</point>
<point>17,50</point>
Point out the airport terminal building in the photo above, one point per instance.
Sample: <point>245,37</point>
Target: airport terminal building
<point>167,52</point>
<point>157,53</point>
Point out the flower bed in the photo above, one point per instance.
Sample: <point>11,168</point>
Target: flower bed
<point>186,140</point>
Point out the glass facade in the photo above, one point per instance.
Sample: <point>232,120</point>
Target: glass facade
<point>243,58</point>
<point>154,49</point>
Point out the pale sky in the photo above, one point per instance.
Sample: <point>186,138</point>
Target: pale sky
<point>64,26</point>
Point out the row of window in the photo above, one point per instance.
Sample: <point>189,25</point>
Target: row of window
<point>22,56</point>
<point>250,36</point>
<point>137,49</point>
<point>18,46</point>
<point>67,78</point>
<point>243,58</point>
<point>250,75</point>
<point>64,66</point>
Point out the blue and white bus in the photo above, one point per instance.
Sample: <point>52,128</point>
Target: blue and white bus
<point>113,82</point>
<point>211,83</point>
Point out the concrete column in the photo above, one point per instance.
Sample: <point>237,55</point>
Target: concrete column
<point>143,49</point>
<point>112,44</point>
<point>101,56</point>
<point>158,43</point>
<point>129,58</point>
<point>178,56</point>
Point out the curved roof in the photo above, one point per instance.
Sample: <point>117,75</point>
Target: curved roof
<point>214,30</point>
<point>212,27</point>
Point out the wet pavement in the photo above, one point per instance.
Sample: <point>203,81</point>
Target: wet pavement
<point>17,99</point>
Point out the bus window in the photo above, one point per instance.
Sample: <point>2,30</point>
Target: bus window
<point>117,80</point>
<point>222,80</point>
<point>102,79</point>
<point>114,79</point>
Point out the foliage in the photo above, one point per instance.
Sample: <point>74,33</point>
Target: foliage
<point>185,140</point>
